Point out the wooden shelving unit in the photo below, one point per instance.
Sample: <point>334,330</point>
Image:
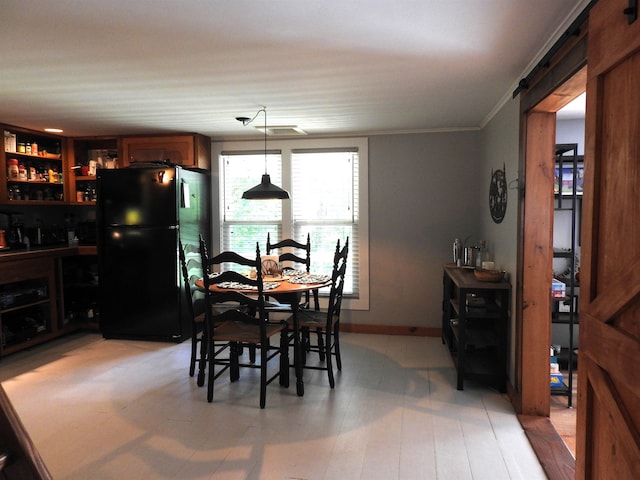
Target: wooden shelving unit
<point>475,319</point>
<point>104,152</point>
<point>41,164</point>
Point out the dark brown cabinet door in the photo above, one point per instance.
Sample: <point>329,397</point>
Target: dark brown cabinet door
<point>188,150</point>
<point>608,426</point>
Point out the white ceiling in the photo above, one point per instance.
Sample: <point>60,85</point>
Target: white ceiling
<point>331,67</point>
<point>575,109</point>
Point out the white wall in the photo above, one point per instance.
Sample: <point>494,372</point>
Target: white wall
<point>571,131</point>
<point>500,147</point>
<point>423,192</point>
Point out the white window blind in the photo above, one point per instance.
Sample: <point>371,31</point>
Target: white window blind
<point>245,222</point>
<point>324,192</point>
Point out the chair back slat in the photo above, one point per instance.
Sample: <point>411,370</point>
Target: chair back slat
<point>185,278</point>
<point>295,258</point>
<point>291,256</point>
<point>253,302</point>
<point>337,281</point>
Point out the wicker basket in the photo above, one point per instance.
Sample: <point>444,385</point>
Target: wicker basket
<point>488,275</point>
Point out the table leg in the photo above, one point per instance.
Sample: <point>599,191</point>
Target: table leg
<point>293,299</point>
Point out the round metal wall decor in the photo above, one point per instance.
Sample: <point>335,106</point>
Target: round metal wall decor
<point>498,195</point>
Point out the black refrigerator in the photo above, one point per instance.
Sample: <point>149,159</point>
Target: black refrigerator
<point>142,212</point>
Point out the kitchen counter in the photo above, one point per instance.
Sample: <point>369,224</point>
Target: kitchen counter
<point>43,292</point>
<point>10,255</point>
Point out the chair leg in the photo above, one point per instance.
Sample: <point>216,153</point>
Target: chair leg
<point>321,346</point>
<point>264,351</point>
<point>210,359</point>
<point>194,351</point>
<point>336,345</point>
<point>234,369</point>
<point>329,363</point>
<point>252,353</point>
<point>284,359</point>
<point>304,337</point>
<point>204,349</point>
<point>306,340</point>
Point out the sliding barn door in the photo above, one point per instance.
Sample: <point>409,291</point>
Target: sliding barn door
<point>608,429</point>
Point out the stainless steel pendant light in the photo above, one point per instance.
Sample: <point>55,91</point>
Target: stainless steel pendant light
<point>265,190</point>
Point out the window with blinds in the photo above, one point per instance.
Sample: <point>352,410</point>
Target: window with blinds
<point>325,187</point>
<point>245,222</point>
<point>324,192</point>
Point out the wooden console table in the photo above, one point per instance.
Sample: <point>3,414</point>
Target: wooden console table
<point>475,325</point>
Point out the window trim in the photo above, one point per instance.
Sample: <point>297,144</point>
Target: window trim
<point>286,146</point>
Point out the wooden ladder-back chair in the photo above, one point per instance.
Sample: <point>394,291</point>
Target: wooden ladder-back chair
<point>240,319</point>
<point>291,255</point>
<point>327,323</point>
<point>191,271</point>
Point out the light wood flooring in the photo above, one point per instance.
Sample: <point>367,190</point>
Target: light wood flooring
<point>117,409</point>
<point>564,418</point>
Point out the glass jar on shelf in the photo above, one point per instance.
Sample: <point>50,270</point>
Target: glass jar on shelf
<point>22,173</point>
<point>13,169</point>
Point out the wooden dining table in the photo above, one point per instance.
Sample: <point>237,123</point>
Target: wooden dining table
<point>286,293</point>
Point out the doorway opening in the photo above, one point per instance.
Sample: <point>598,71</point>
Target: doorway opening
<point>565,323</point>
<point>537,210</point>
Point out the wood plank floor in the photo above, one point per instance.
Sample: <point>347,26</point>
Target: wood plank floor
<point>563,418</point>
<point>112,409</point>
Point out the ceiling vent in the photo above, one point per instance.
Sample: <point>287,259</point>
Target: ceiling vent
<point>275,130</point>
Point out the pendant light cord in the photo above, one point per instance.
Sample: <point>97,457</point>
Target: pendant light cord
<point>264,109</point>
<point>246,121</point>
<point>265,190</point>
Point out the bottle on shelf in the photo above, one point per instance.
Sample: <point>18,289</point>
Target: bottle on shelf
<point>13,169</point>
<point>480,252</point>
<point>457,252</point>
<point>22,172</point>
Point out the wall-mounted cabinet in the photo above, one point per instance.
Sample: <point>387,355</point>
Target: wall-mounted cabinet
<point>87,154</point>
<point>32,167</point>
<point>188,150</point>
